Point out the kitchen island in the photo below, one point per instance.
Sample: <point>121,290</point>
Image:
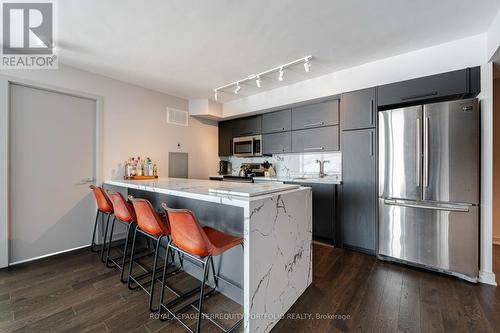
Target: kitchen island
<point>275,266</point>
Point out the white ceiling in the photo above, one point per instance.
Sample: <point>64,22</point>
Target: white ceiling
<point>186,47</point>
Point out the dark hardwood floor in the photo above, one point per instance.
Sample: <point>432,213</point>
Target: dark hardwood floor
<point>368,295</point>
<point>350,292</point>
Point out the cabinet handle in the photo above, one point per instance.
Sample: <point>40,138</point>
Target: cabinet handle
<point>432,93</point>
<point>371,112</point>
<point>418,158</point>
<point>426,152</point>
<point>315,148</point>
<point>371,143</point>
<point>277,129</point>
<point>314,124</point>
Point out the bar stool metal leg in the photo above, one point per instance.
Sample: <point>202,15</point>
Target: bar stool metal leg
<point>153,278</point>
<point>132,253</point>
<point>104,238</point>
<point>202,292</point>
<point>93,244</point>
<point>129,233</point>
<point>110,242</point>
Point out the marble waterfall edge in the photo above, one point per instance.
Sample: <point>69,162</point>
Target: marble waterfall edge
<point>278,230</point>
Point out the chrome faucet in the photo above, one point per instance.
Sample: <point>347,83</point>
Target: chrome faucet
<point>322,168</point>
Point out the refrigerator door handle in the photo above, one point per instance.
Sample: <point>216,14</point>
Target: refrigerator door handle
<point>448,207</point>
<point>418,157</point>
<point>426,151</point>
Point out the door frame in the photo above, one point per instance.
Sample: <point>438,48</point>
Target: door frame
<point>5,84</point>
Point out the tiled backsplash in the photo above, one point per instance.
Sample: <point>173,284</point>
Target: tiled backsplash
<point>287,165</point>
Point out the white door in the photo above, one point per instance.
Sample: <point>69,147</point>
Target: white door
<point>52,151</point>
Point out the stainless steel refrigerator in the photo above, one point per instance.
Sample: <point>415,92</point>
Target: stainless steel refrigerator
<point>429,159</point>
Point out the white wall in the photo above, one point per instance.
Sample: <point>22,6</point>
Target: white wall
<point>134,122</point>
<point>496,159</point>
<point>493,37</point>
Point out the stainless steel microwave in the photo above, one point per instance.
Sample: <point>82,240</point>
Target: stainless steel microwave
<point>247,146</point>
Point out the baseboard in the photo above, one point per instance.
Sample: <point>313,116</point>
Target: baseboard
<point>496,240</point>
<point>48,255</point>
<point>487,278</point>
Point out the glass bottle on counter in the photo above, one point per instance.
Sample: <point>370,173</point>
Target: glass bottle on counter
<point>128,168</point>
<point>149,167</point>
<point>138,168</point>
<point>132,167</point>
<point>155,170</point>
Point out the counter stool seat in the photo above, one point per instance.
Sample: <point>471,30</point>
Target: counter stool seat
<point>221,241</point>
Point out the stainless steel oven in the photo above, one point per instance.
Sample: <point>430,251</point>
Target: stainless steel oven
<point>247,146</point>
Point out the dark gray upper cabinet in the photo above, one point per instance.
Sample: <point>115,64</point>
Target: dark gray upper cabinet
<point>316,139</point>
<point>247,126</point>
<point>451,85</point>
<point>279,121</point>
<point>324,211</point>
<point>277,143</point>
<point>226,138</point>
<point>358,198</point>
<point>316,115</point>
<point>358,109</point>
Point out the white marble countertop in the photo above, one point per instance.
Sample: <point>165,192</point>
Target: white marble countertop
<point>301,179</point>
<point>200,189</point>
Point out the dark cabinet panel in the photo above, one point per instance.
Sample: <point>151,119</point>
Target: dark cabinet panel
<point>450,85</point>
<point>247,126</point>
<point>279,121</point>
<point>277,143</point>
<point>358,109</point>
<point>358,197</point>
<point>315,115</point>
<point>226,137</point>
<point>316,139</point>
<point>324,211</point>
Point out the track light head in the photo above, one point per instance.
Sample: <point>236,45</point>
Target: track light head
<point>307,65</point>
<point>238,88</point>
<point>258,82</point>
<point>280,77</point>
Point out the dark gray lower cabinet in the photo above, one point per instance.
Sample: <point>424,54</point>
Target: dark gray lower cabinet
<point>324,199</point>
<point>358,198</point>
<point>277,143</point>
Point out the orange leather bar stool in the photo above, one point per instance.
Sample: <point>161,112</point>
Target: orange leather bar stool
<point>201,244</point>
<point>124,213</point>
<point>104,206</point>
<point>154,226</point>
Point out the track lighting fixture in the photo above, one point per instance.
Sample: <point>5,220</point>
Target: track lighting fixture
<point>305,61</point>
<point>307,65</point>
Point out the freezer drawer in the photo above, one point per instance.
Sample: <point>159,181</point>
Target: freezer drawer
<point>443,237</point>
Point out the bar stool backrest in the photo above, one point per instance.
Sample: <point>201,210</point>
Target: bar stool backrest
<point>187,233</point>
<point>102,200</point>
<point>123,210</point>
<point>148,219</point>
